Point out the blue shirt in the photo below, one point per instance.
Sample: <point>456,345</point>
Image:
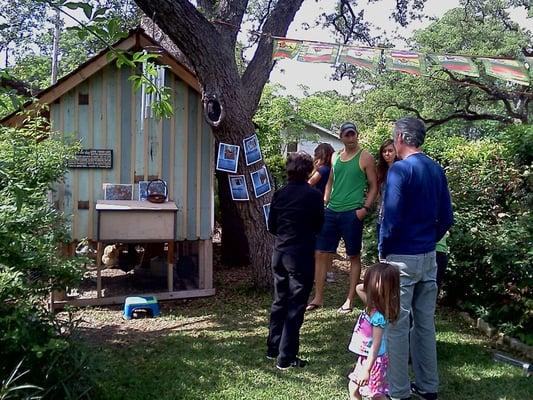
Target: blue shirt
<point>323,170</point>
<point>417,209</point>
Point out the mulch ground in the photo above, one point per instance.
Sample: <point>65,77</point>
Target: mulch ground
<point>99,325</point>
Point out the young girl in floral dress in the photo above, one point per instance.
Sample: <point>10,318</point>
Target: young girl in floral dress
<point>381,293</point>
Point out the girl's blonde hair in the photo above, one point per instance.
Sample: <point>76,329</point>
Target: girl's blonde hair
<point>382,288</point>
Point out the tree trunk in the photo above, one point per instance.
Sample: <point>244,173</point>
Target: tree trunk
<point>234,244</point>
<point>245,218</point>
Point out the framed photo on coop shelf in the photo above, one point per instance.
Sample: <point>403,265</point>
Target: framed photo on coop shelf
<point>260,182</point>
<point>158,186</point>
<point>228,157</point>
<point>118,191</point>
<point>238,188</point>
<point>252,151</point>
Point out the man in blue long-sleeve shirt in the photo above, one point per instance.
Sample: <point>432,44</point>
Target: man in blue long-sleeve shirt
<point>417,212</point>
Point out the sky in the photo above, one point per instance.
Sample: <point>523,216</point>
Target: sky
<point>293,74</point>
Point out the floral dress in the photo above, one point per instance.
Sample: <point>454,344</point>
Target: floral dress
<point>360,344</point>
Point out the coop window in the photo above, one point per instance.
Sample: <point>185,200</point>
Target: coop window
<point>83,98</point>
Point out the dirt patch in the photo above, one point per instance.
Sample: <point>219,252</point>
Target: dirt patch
<point>99,325</point>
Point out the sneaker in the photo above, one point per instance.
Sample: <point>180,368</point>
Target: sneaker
<point>271,356</point>
<point>330,277</point>
<point>423,395</point>
<point>297,363</point>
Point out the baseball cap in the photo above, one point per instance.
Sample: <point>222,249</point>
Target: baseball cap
<point>348,126</point>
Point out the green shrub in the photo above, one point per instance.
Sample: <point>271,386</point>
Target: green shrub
<point>276,167</point>
<point>490,270</point>
<point>31,265</point>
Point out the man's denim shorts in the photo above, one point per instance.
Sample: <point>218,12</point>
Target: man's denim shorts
<point>343,224</point>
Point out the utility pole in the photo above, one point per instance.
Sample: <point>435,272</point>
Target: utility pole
<point>55,48</point>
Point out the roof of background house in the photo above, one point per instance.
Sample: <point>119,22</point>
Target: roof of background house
<point>322,129</point>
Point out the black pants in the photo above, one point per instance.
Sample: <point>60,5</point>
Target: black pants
<point>293,281</point>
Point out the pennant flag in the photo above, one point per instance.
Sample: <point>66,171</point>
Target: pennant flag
<point>318,52</point>
<point>286,48</point>
<point>360,57</point>
<point>403,61</point>
<point>509,70</point>
<point>461,65</point>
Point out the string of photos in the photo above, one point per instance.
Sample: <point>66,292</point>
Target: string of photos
<point>228,160</point>
<point>410,62</point>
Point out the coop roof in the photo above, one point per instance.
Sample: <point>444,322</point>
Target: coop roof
<point>136,40</point>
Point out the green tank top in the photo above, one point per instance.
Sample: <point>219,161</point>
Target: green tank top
<point>349,184</point>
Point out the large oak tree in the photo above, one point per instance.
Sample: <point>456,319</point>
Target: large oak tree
<point>206,32</point>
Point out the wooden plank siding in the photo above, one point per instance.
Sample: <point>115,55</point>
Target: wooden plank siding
<point>179,150</point>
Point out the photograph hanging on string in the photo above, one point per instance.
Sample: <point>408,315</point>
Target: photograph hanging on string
<point>228,157</point>
<point>260,182</point>
<point>266,213</point>
<point>118,191</point>
<point>252,152</point>
<point>238,188</point>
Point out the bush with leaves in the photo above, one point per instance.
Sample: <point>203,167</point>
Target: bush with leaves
<point>491,243</point>
<point>31,265</point>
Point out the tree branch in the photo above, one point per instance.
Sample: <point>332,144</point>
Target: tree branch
<point>19,87</point>
<point>465,114</point>
<point>190,31</point>
<point>231,12</point>
<point>258,71</point>
<point>494,94</point>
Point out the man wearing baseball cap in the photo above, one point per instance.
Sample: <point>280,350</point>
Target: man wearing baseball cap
<point>350,192</point>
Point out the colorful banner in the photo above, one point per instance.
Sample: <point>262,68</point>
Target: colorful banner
<point>360,57</point>
<point>458,64</point>
<point>403,61</point>
<point>286,48</point>
<point>318,52</point>
<point>409,62</point>
<point>509,70</point>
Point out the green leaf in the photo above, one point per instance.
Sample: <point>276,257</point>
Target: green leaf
<point>98,12</point>
<point>87,8</point>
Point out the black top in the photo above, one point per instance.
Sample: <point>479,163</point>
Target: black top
<point>296,217</point>
<point>324,171</point>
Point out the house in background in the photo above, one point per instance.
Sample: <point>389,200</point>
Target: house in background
<point>97,104</point>
<point>312,135</point>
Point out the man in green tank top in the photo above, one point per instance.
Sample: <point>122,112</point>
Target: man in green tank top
<point>350,192</point>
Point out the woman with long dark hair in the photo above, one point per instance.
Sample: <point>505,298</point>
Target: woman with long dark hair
<point>322,161</point>
<point>386,157</point>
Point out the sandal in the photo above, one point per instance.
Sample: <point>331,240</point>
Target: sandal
<point>343,310</point>
<point>312,307</point>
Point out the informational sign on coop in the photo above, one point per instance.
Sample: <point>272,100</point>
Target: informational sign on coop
<point>92,158</point>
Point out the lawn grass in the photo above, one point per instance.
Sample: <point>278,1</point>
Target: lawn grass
<point>214,348</point>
